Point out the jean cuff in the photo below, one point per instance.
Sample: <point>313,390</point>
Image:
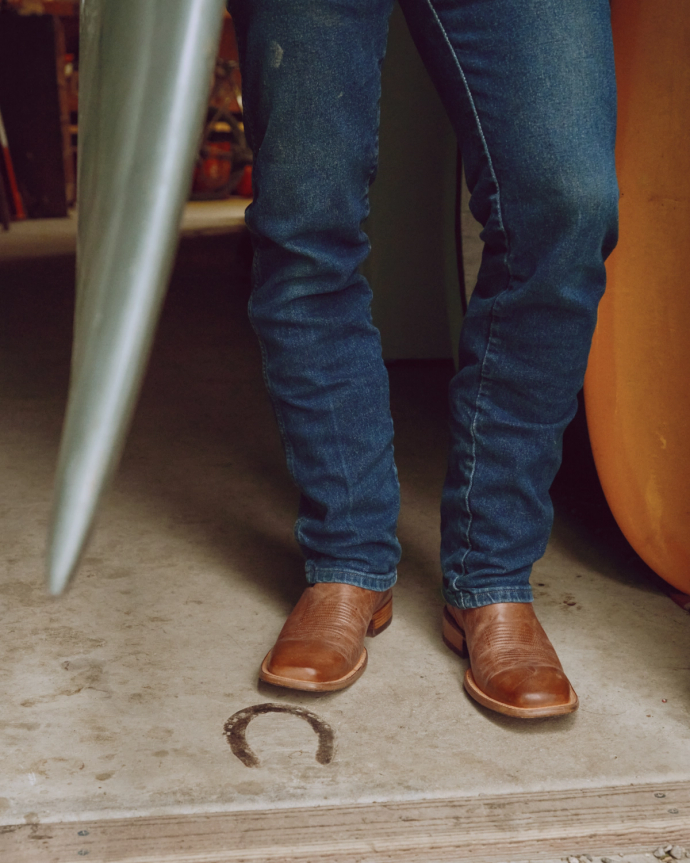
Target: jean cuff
<point>367,580</point>
<point>467,598</point>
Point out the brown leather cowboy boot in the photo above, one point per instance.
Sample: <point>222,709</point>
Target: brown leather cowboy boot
<point>514,668</point>
<point>321,647</point>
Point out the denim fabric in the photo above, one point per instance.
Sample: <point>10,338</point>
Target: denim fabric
<point>529,87</point>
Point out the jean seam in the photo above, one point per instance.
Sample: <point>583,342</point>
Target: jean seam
<point>289,452</point>
<point>480,129</point>
<point>468,599</point>
<point>506,261</point>
<point>344,570</point>
<point>335,574</point>
<point>345,474</point>
<point>473,434</point>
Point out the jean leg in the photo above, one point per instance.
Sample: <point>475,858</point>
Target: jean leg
<point>311,88</point>
<point>530,89</point>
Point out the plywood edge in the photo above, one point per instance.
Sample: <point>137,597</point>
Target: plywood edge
<point>534,826</point>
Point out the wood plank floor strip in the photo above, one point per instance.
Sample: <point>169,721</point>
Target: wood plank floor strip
<point>481,829</point>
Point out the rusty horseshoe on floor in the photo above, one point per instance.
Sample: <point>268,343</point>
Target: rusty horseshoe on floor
<point>235,731</point>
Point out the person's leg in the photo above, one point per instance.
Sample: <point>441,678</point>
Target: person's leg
<point>530,89</point>
<point>311,86</point>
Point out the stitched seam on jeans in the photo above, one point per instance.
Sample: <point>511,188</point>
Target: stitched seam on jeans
<point>501,225</point>
<point>344,473</point>
<point>355,579</point>
<point>289,452</point>
<point>473,433</point>
<point>343,571</point>
<point>514,590</point>
<point>465,599</point>
<point>475,113</point>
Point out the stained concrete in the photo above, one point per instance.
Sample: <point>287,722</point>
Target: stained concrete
<point>114,698</point>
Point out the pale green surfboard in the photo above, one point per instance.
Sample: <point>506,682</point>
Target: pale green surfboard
<point>145,74</point>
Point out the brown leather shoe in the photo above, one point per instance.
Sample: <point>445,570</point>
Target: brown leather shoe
<point>514,668</point>
<point>321,647</point>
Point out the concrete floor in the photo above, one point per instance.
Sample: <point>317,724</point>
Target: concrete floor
<point>47,237</point>
<point>114,698</point>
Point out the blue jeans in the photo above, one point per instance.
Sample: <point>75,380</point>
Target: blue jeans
<point>529,87</point>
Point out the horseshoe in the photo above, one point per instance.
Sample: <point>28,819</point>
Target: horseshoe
<point>235,731</point>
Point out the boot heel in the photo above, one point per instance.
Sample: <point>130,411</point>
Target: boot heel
<point>453,636</point>
<point>381,620</point>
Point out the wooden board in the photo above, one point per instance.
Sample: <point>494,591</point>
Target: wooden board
<point>637,388</point>
<point>492,828</point>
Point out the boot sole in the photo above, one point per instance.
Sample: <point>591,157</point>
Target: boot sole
<point>380,621</point>
<point>454,638</point>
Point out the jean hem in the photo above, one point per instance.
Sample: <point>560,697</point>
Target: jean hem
<point>367,580</point>
<point>467,598</point>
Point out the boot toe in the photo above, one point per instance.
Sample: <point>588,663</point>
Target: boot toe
<point>532,688</point>
<point>309,666</point>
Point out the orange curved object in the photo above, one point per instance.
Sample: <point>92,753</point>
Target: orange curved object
<point>637,388</point>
